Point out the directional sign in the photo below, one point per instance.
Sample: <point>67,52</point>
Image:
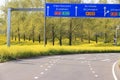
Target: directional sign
<point>83,10</point>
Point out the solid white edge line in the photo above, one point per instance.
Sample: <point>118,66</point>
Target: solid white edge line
<point>113,70</point>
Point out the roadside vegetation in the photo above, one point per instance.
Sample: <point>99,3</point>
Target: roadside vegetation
<point>63,35</point>
<point>28,49</point>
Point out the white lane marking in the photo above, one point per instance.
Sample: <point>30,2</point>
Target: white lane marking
<point>113,70</point>
<point>93,72</point>
<point>50,61</point>
<point>82,62</point>
<point>106,60</point>
<point>89,66</point>
<point>35,77</point>
<point>58,59</point>
<point>58,56</point>
<point>49,66</point>
<point>42,73</point>
<point>80,58</point>
<point>96,76</point>
<point>91,69</point>
<point>41,66</point>
<point>46,69</point>
<point>46,64</point>
<point>95,58</point>
<point>54,62</point>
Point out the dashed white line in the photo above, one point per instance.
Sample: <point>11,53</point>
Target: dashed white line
<point>50,61</point>
<point>80,58</point>
<point>54,62</point>
<point>35,77</point>
<point>105,60</point>
<point>90,66</point>
<point>96,76</point>
<point>41,66</point>
<point>91,69</point>
<point>82,62</point>
<point>46,64</point>
<point>42,73</point>
<point>93,72</point>
<point>46,69</point>
<point>49,66</point>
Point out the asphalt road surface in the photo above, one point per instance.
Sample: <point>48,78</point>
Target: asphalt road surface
<point>62,67</point>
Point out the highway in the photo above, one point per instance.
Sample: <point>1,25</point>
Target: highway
<point>61,67</point>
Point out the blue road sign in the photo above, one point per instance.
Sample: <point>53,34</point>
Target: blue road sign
<point>83,10</point>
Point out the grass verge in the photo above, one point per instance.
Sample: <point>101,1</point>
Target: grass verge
<point>26,51</point>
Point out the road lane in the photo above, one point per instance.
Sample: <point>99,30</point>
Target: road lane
<point>64,67</point>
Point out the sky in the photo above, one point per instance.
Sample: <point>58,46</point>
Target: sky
<point>2,2</point>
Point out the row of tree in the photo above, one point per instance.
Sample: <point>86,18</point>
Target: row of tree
<point>30,25</point>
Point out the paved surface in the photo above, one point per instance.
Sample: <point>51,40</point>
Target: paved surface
<point>63,67</point>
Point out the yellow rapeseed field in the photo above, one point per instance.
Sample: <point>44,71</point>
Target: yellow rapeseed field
<point>25,51</point>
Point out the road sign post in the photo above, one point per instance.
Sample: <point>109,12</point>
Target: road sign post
<point>69,10</point>
<point>9,19</point>
<point>8,26</point>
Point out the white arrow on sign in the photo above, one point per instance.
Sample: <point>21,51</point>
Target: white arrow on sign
<point>105,11</point>
<point>76,10</point>
<point>48,10</point>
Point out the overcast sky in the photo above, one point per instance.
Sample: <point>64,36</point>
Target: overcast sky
<point>2,2</point>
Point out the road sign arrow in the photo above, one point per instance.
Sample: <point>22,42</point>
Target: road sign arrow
<point>48,10</point>
<point>76,10</point>
<point>105,11</point>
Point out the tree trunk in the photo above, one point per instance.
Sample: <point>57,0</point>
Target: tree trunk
<point>105,41</point>
<point>18,34</point>
<point>12,35</point>
<point>46,41</point>
<point>81,38</point>
<point>75,38</point>
<point>24,37</point>
<point>60,40</point>
<point>33,33</point>
<point>96,38</point>
<point>15,37</point>
<point>89,36</point>
<point>29,38</point>
<point>60,37</point>
<point>39,38</point>
<point>70,33</point>
<point>53,36</point>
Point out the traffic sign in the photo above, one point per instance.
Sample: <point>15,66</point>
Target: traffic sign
<point>82,10</point>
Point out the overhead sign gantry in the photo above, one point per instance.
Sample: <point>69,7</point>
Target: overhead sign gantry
<point>70,10</point>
